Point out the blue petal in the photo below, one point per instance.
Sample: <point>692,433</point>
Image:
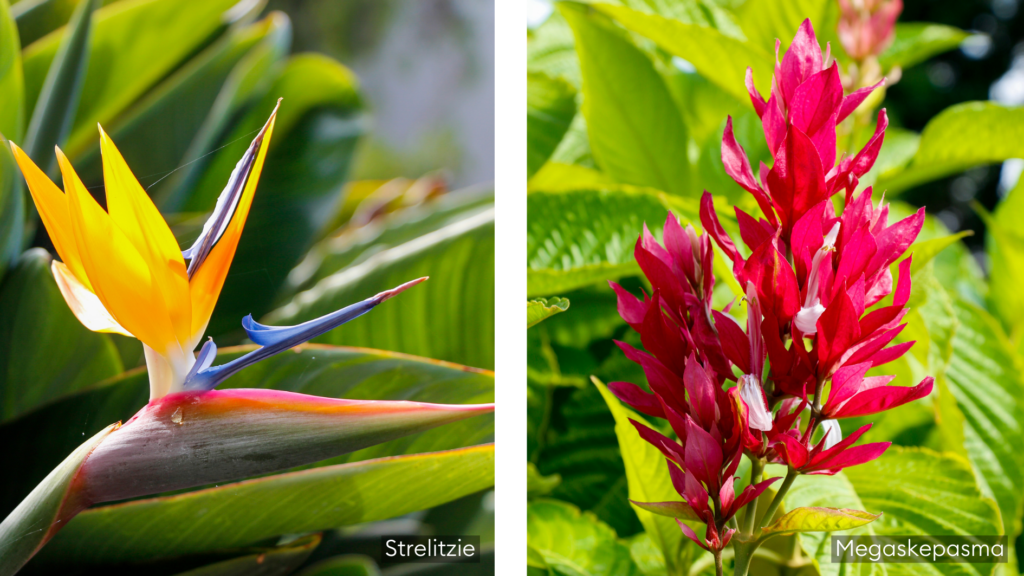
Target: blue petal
<point>275,339</point>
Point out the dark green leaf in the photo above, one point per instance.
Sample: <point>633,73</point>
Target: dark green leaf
<point>27,527</point>
<point>12,104</point>
<point>634,127</point>
<point>55,108</point>
<point>134,44</point>
<point>45,352</point>
<point>277,561</point>
<point>247,512</point>
<point>351,565</point>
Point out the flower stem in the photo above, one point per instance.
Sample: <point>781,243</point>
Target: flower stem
<point>718,563</point>
<point>790,477</point>
<point>756,470</point>
<point>744,553</point>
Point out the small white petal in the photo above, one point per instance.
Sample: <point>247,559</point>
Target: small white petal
<point>753,397</point>
<point>806,319</point>
<point>833,434</point>
<point>83,303</point>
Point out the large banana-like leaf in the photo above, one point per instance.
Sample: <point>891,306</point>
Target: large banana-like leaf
<point>451,317</point>
<point>41,440</point>
<point>156,132</point>
<point>45,352</point>
<point>277,561</point>
<point>134,44</point>
<point>247,512</point>
<point>57,104</point>
<point>12,106</point>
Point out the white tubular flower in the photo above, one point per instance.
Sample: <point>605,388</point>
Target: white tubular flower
<point>833,434</point>
<point>806,319</point>
<point>753,397</point>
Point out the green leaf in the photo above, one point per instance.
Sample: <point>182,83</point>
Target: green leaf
<point>58,100</point>
<point>816,519</point>
<point>1005,249</point>
<point>539,485</point>
<point>37,18</point>
<point>156,134</point>
<point>450,317</point>
<point>12,104</point>
<point>248,512</point>
<point>984,375</point>
<point>958,138</point>
<point>916,42</point>
<point>920,492</point>
<point>550,50</point>
<point>540,309</point>
<point>635,131</point>
<point>576,544</point>
<point>924,251</point>
<point>26,529</point>
<point>41,439</point>
<point>550,108</point>
<point>277,561</point>
<point>764,21</point>
<point>647,474</point>
<point>348,565</point>
<point>717,56</point>
<point>12,209</point>
<point>317,128</point>
<point>45,352</point>
<point>577,238</point>
<point>134,44</point>
<point>354,244</point>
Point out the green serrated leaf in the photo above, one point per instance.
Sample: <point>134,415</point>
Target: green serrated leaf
<point>633,125</point>
<point>248,512</point>
<point>958,138</point>
<point>920,492</point>
<point>574,543</point>
<point>817,519</point>
<point>581,237</point>
<point>537,484</point>
<point>542,308</point>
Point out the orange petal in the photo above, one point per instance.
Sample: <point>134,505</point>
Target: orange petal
<point>208,280</point>
<point>131,210</point>
<point>120,276</point>
<point>52,205</point>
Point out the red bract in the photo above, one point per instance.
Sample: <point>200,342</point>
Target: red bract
<point>867,27</point>
<point>815,283</point>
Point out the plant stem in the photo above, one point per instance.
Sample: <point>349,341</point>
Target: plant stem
<point>756,471</point>
<point>790,477</point>
<point>744,553</point>
<point>718,563</point>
